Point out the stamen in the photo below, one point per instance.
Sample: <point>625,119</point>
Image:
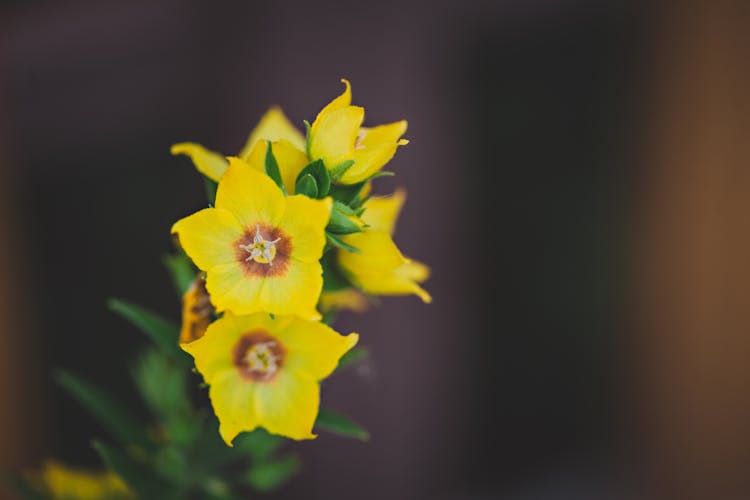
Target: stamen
<point>261,250</point>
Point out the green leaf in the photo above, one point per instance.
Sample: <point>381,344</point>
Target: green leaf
<point>333,278</point>
<point>340,425</point>
<point>266,476</point>
<point>320,173</point>
<point>181,270</point>
<point>306,185</point>
<point>138,476</point>
<point>334,241</point>
<point>344,209</point>
<point>163,384</point>
<point>339,223</point>
<point>162,332</point>
<point>352,356</point>
<point>272,167</point>
<point>308,135</point>
<point>348,194</point>
<point>258,444</point>
<point>339,170</point>
<point>211,187</point>
<point>107,411</point>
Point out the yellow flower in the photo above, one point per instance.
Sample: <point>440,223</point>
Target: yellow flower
<point>196,311</point>
<point>63,482</point>
<point>265,372</point>
<point>337,136</point>
<point>347,298</point>
<point>260,250</point>
<point>379,267</point>
<point>273,126</point>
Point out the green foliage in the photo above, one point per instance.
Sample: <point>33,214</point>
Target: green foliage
<point>108,412</point>
<point>162,332</point>
<point>269,475</point>
<point>352,357</point>
<point>334,241</point>
<point>340,425</point>
<point>307,186</point>
<point>181,270</point>
<point>319,173</point>
<point>339,170</point>
<point>272,167</point>
<point>211,187</point>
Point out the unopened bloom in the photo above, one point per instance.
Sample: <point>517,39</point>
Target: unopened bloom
<point>273,126</point>
<point>64,483</point>
<point>337,136</point>
<point>346,298</point>
<point>260,250</point>
<point>379,267</point>
<point>265,372</point>
<point>196,311</point>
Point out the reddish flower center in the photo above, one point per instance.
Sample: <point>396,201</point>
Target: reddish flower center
<point>258,356</point>
<point>264,251</point>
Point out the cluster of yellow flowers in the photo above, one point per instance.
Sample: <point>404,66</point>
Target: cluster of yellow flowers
<point>293,235</point>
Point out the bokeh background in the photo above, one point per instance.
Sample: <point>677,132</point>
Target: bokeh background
<point>578,179</point>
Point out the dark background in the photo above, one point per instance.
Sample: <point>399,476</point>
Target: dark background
<point>554,146</point>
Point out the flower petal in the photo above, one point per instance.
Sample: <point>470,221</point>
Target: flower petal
<point>207,236</point>
<point>296,292</point>
<point>313,348</point>
<point>305,221</point>
<point>342,101</point>
<point>252,197</point>
<point>383,134</point>
<point>233,401</point>
<point>288,404</point>
<point>333,139</point>
<point>273,126</point>
<point>381,212</point>
<point>379,267</point>
<point>209,163</point>
<point>291,161</point>
<point>234,290</point>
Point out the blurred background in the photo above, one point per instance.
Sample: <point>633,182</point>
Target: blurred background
<point>578,178</point>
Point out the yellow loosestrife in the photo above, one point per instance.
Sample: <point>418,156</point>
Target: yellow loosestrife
<point>337,136</point>
<point>260,250</point>
<point>265,372</point>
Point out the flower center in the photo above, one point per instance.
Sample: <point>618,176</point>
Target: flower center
<point>262,360</point>
<point>260,249</point>
<point>258,356</point>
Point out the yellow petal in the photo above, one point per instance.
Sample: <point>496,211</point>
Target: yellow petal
<point>208,236</point>
<point>274,126</point>
<point>333,139</point>
<point>381,212</point>
<point>414,270</point>
<point>288,405</point>
<point>290,159</point>
<point>375,147</point>
<point>231,289</point>
<point>296,292</point>
<point>252,197</point>
<point>382,134</point>
<point>305,221</point>
<point>64,482</point>
<point>313,348</point>
<point>342,101</point>
<point>346,299</point>
<point>379,267</point>
<point>209,163</point>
